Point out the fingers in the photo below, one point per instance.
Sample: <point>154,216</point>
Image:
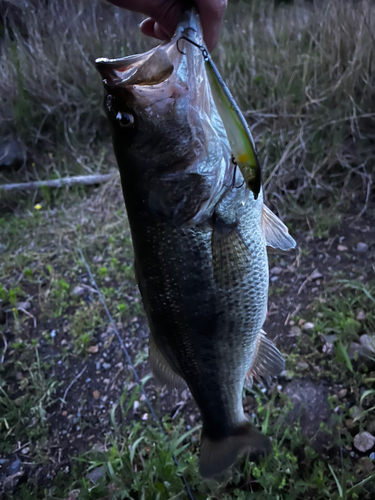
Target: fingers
<point>211,14</point>
<point>165,15</point>
<point>151,28</point>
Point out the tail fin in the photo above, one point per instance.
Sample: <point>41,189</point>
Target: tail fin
<point>219,455</point>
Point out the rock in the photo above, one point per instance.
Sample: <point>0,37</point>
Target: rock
<point>361,315</point>
<point>354,411</point>
<point>12,153</point>
<point>342,393</point>
<point>10,473</point>
<point>276,270</point>
<point>78,290</point>
<point>342,248</point>
<point>315,275</point>
<point>96,474</point>
<point>23,305</point>
<point>308,326</point>
<point>311,408</point>
<point>136,406</point>
<point>364,441</point>
<point>362,247</point>
<point>302,365</point>
<point>362,353</point>
<point>93,349</point>
<point>330,339</point>
<point>295,331</point>
<point>106,366</point>
<point>368,342</point>
<point>96,394</point>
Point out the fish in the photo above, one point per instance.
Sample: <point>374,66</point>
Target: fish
<point>199,238</point>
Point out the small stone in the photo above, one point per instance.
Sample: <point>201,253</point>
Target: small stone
<point>302,365</point>
<point>330,339</point>
<point>349,422</point>
<point>362,247</point>
<point>364,441</point>
<point>295,331</point>
<point>368,342</point>
<point>361,315</point>
<point>95,474</point>
<point>93,349</point>
<point>316,275</point>
<point>328,348</point>
<point>23,305</point>
<point>12,153</point>
<point>106,366</point>
<point>308,326</point>
<point>144,417</point>
<point>301,322</point>
<point>96,394</point>
<point>342,393</point>
<point>78,290</point>
<point>64,413</point>
<point>136,406</point>
<point>53,334</point>
<point>25,450</point>
<point>342,248</point>
<point>354,411</point>
<point>276,270</point>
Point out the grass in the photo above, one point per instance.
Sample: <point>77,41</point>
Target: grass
<point>304,75</point>
<point>302,72</point>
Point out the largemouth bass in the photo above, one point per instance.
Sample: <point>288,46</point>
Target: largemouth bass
<point>199,240</point>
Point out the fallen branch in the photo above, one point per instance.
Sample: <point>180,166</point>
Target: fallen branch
<point>86,180</point>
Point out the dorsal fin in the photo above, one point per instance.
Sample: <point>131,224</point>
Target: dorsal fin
<point>275,231</point>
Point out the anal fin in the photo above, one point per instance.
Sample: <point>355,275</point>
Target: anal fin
<point>268,361</point>
<point>275,231</point>
<point>163,368</point>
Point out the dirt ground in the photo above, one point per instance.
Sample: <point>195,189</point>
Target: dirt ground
<point>54,320</point>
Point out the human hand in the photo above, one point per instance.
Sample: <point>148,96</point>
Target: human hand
<point>164,16</point>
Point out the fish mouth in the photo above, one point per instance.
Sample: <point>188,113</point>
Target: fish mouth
<point>158,64</point>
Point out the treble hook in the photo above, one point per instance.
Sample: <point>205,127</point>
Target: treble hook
<point>202,48</point>
<point>234,175</point>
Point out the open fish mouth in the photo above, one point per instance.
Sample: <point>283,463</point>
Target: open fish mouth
<point>158,64</point>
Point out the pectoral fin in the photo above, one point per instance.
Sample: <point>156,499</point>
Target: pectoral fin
<point>163,366</point>
<point>230,255</point>
<point>268,361</point>
<point>275,232</point>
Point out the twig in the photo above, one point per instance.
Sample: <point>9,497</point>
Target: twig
<point>306,281</point>
<point>70,385</point>
<point>28,314</point>
<point>86,180</point>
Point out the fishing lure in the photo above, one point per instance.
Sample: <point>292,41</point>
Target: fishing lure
<point>239,135</point>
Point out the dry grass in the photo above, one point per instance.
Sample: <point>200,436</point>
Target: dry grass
<point>307,81</point>
<point>303,73</point>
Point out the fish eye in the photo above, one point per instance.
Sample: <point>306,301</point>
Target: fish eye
<point>125,119</point>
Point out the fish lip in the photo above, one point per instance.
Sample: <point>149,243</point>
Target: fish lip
<point>123,71</point>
